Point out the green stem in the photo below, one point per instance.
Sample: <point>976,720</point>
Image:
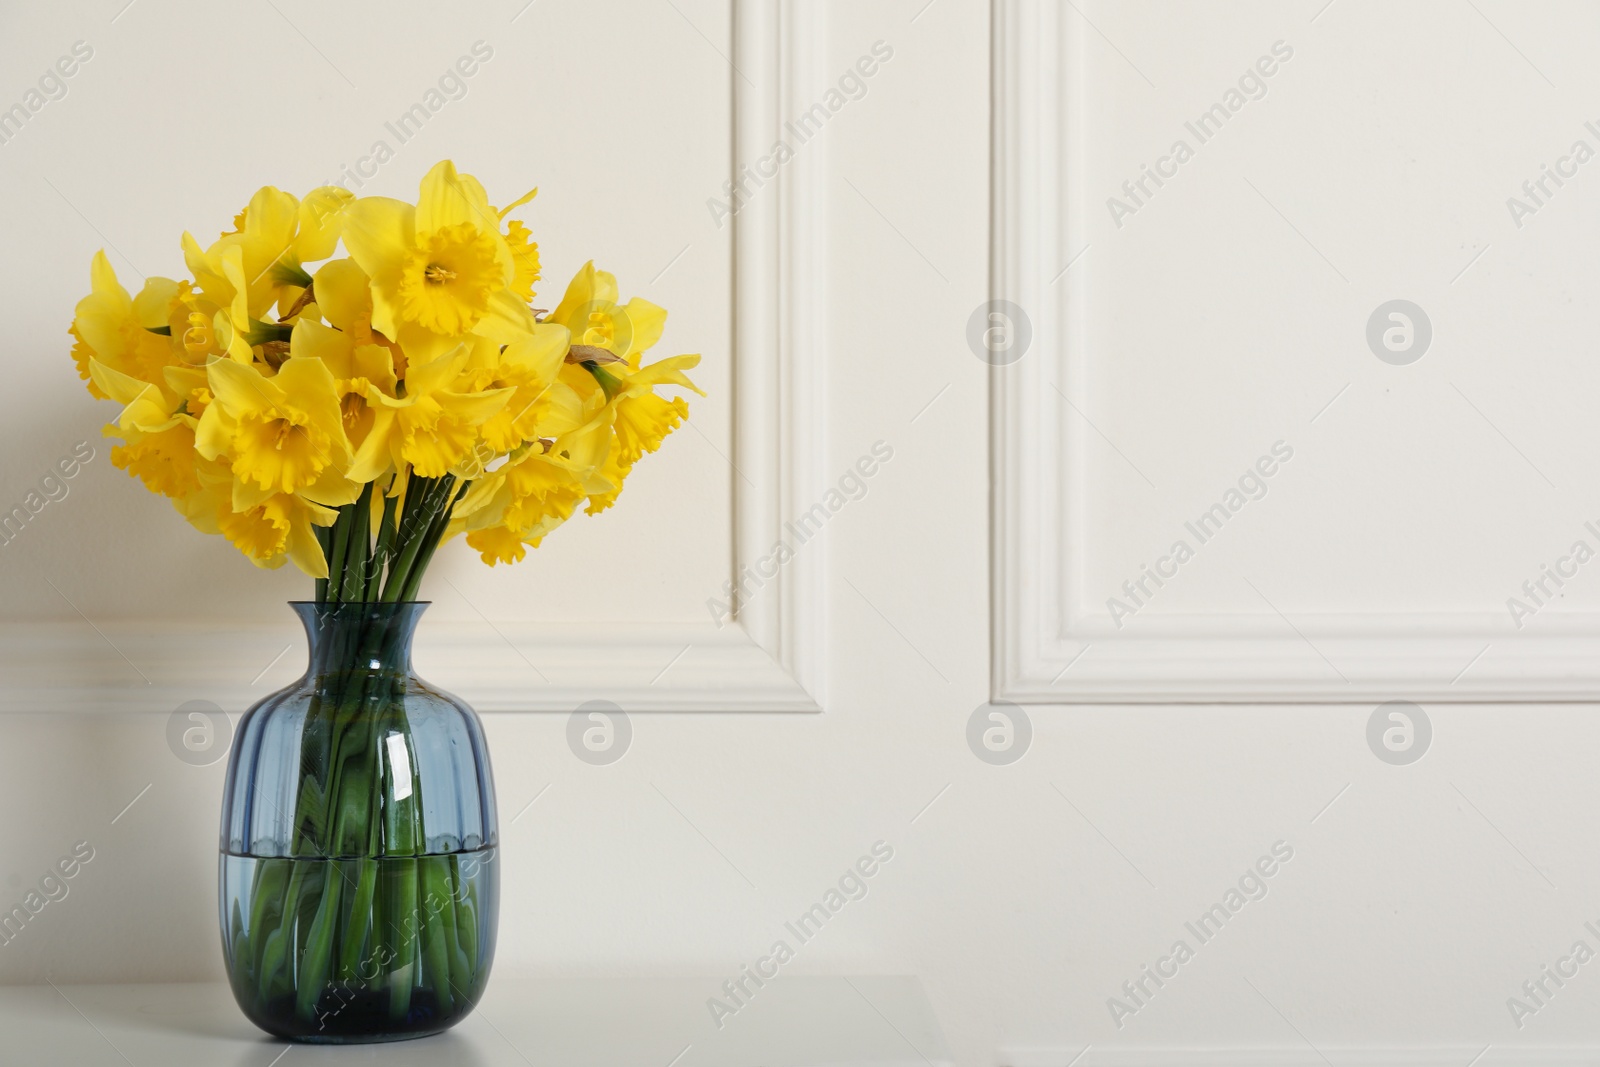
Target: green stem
<point>438,926</point>
<point>353,586</point>
<point>317,955</point>
<point>435,534</point>
<point>325,542</point>
<point>385,551</point>
<point>415,527</point>
<point>341,538</point>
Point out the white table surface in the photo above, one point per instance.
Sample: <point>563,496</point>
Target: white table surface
<point>632,1022</point>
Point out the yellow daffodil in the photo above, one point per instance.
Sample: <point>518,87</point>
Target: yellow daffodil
<point>274,530</point>
<point>192,327</point>
<point>432,427</point>
<point>590,311</point>
<point>158,433</point>
<point>541,406</point>
<point>358,360</point>
<point>519,504</point>
<point>609,341</point>
<point>264,237</point>
<point>357,370</point>
<point>279,529</point>
<point>641,422</point>
<point>119,330</point>
<point>163,461</point>
<point>439,270</point>
<point>284,433</point>
<point>275,235</point>
<point>344,297</point>
<point>644,419</point>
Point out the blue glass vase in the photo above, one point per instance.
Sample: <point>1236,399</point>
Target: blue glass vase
<point>359,882</point>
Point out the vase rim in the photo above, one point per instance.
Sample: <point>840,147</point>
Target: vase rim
<point>356,603</point>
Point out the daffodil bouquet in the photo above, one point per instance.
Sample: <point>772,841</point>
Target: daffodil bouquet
<point>351,416</point>
<point>351,413</point>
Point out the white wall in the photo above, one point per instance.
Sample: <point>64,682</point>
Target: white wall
<point>1025,894</point>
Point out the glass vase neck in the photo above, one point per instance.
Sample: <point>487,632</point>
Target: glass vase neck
<point>359,636</point>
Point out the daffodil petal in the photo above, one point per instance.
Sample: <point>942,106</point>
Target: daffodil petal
<point>233,270</point>
<point>309,384</point>
<point>241,388</point>
<point>379,233</point>
<point>376,452</point>
<point>448,199</point>
<point>519,201</point>
<point>436,374</point>
<point>343,292</point>
<point>247,495</point>
<point>588,290</point>
<point>376,364</point>
<point>99,317</point>
<point>123,388</point>
<point>508,319</point>
<point>214,434</point>
<point>646,322</point>
<point>321,219</point>
<point>154,302</point>
<point>306,551</point>
<point>540,355</point>
<point>475,408</point>
<point>334,490</point>
<point>667,371</point>
<point>313,340</point>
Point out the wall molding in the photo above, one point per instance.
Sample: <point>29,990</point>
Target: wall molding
<point>1045,650</point>
<point>780,426</point>
<point>768,658</point>
<point>56,668</point>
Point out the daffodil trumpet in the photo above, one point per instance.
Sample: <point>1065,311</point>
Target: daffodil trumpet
<point>346,383</point>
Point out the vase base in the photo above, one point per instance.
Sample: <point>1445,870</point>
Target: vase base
<point>366,1039</point>
<point>359,1023</point>
<point>359,950</point>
